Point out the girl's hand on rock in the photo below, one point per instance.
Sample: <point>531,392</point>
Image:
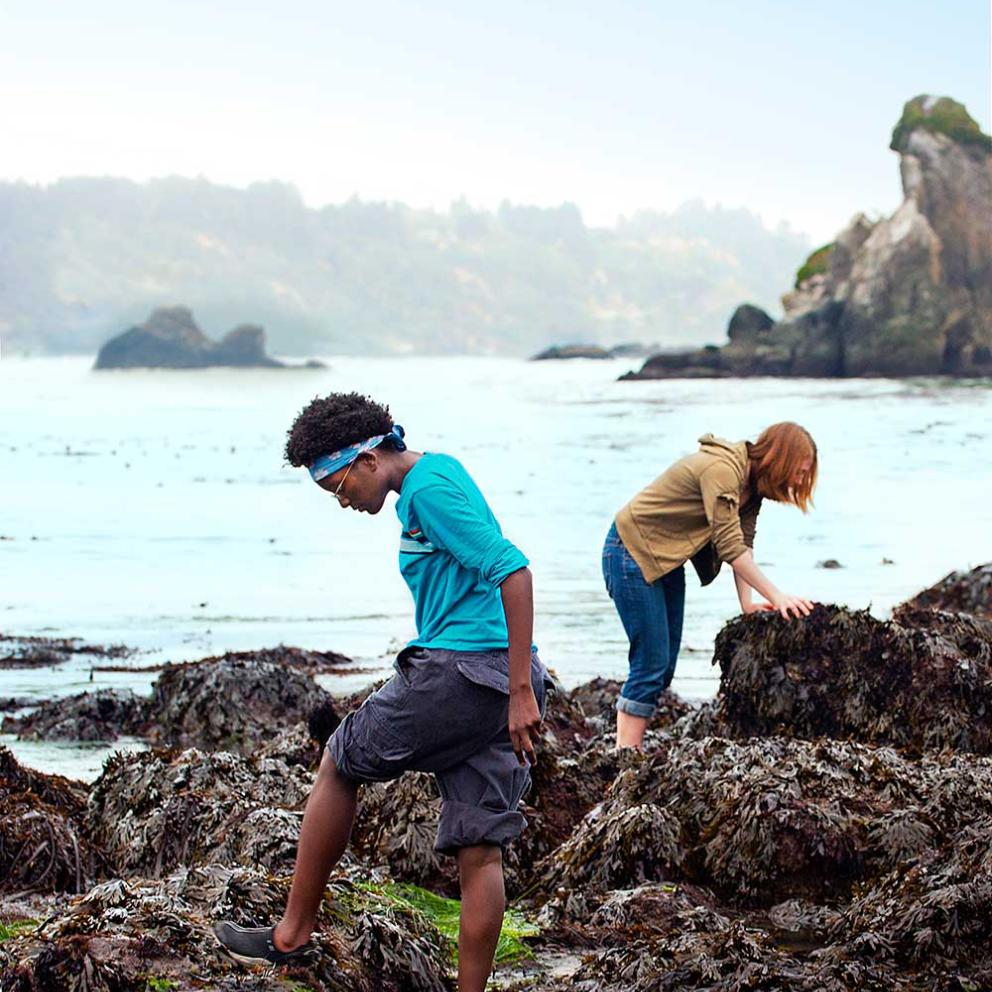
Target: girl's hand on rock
<point>787,604</point>
<point>759,608</point>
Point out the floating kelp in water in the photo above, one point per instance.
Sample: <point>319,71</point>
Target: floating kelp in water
<point>41,652</point>
<point>922,681</point>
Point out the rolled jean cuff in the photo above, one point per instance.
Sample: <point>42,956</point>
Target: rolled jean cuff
<point>462,825</point>
<point>644,710</point>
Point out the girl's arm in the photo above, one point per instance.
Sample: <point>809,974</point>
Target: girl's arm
<point>746,571</point>
<point>517,592</point>
<point>744,595</point>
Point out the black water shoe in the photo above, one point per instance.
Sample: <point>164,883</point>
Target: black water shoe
<point>253,945</point>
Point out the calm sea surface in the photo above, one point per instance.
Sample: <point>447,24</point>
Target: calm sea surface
<point>152,508</point>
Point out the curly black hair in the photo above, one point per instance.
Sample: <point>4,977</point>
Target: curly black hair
<point>334,422</point>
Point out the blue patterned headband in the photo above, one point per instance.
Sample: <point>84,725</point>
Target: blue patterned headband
<point>327,465</point>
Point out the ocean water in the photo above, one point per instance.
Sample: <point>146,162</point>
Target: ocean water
<point>153,508</point>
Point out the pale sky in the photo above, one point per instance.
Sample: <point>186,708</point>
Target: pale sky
<point>780,107</point>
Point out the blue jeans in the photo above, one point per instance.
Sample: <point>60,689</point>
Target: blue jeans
<point>651,614</point>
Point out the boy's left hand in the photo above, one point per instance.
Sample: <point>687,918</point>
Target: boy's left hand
<point>525,724</point>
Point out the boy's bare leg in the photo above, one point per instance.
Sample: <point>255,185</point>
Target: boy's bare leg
<point>480,871</point>
<point>630,730</point>
<point>324,835</point>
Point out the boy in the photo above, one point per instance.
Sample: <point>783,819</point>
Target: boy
<point>468,693</point>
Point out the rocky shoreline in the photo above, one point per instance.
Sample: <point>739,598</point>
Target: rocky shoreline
<point>824,824</point>
<point>905,295</point>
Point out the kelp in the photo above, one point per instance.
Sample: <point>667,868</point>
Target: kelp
<point>89,716</point>
<point>155,811</point>
<point>921,681</point>
<point>43,842</point>
<point>762,821</point>
<point>233,704</point>
<point>130,934</point>
<point>43,652</point>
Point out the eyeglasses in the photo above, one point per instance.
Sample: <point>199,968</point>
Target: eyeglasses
<point>337,492</point>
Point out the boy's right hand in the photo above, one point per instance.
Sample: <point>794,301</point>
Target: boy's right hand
<point>525,724</point>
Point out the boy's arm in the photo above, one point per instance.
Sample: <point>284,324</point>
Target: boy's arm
<point>517,591</point>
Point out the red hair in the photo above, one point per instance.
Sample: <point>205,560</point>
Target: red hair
<point>777,462</point>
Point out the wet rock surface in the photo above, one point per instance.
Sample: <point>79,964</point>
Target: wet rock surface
<point>824,825</point>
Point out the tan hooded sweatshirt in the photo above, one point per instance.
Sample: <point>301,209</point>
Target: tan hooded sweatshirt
<point>693,511</point>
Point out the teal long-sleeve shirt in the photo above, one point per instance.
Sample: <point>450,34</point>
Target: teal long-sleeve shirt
<point>453,556</point>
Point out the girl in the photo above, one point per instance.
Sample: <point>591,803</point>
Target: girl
<point>704,508</point>
<point>468,693</point>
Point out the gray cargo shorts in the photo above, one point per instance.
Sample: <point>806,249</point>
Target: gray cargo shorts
<point>446,712</point>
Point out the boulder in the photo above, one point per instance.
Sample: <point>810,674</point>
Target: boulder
<point>172,339</point>
<point>571,351</point>
<point>910,294</point>
<point>748,322</point>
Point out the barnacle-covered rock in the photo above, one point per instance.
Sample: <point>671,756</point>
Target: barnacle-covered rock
<point>155,811</point>
<point>957,592</point>
<point>922,681</point>
<point>139,934</point>
<point>43,842</point>
<point>766,820</point>
<point>231,703</point>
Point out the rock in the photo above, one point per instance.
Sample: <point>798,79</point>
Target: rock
<point>171,338</point>
<point>104,715</point>
<point>748,321</point>
<point>908,295</point>
<point>571,351</point>
<point>957,592</point>
<point>829,563</point>
<point>920,681</point>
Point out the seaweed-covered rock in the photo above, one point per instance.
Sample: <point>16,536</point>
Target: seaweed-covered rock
<point>957,592</point>
<point>233,702</point>
<point>922,680</point>
<point>137,935</point>
<point>156,811</point>
<point>43,842</point>
<point>766,820</point>
<point>89,716</point>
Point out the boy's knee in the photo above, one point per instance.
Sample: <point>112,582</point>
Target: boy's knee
<point>479,856</point>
